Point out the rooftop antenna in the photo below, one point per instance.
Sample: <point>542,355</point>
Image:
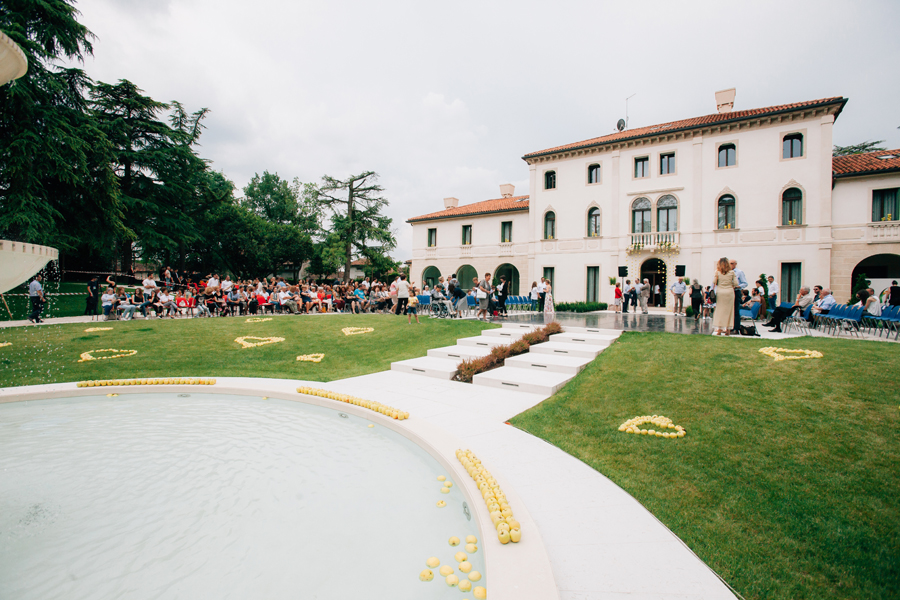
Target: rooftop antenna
<point>626,108</point>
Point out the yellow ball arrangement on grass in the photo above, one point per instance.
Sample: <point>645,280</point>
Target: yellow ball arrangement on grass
<point>388,411</point>
<point>666,428</point>
<point>776,353</point>
<point>508,529</point>
<point>151,381</point>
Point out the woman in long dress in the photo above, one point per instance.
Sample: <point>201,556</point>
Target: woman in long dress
<point>725,282</point>
<point>549,311</point>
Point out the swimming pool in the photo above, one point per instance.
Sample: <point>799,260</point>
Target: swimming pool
<point>204,495</point>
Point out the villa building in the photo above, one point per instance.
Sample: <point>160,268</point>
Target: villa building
<point>759,186</point>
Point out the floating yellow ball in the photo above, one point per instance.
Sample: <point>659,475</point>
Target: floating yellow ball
<point>441,478</point>
<point>480,593</point>
<point>465,566</point>
<point>471,548</point>
<point>426,575</point>
<point>471,539</point>
<point>446,570</point>
<point>445,490</point>
<point>452,580</point>
<point>454,541</point>
<point>441,504</point>
<point>460,557</point>
<point>474,576</point>
<point>465,585</point>
<point>433,562</point>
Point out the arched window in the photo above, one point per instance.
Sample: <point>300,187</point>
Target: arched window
<point>726,212</point>
<point>594,174</point>
<point>792,207</point>
<point>792,146</point>
<point>667,214</point>
<point>593,224</point>
<point>640,216</point>
<point>550,180</point>
<point>727,155</point>
<point>550,226</point>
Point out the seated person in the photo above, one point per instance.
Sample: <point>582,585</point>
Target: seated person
<point>233,300</point>
<point>804,299</point>
<point>125,305</point>
<point>362,303</point>
<point>754,298</point>
<point>108,300</point>
<point>166,303</point>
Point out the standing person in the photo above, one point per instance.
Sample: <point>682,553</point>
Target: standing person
<point>627,295</point>
<point>617,300</point>
<point>645,296</point>
<point>36,294</point>
<point>534,295</point>
<point>657,299</point>
<point>402,294</point>
<point>725,281</point>
<point>709,302</point>
<point>542,293</point>
<point>636,295</point>
<point>393,295</point>
<point>412,308</point>
<point>696,298</point>
<point>773,292</point>
<point>483,295</point>
<point>678,289</point>
<point>549,309</point>
<point>502,295</point>
<point>459,299</point>
<point>93,287</point>
<point>893,295</point>
<point>738,296</point>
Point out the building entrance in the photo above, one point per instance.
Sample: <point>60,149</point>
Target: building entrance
<point>655,270</point>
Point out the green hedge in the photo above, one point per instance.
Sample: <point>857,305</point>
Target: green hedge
<point>580,307</point>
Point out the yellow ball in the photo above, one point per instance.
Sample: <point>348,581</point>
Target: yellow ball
<point>460,557</point>
<point>441,504</point>
<point>452,580</point>
<point>433,562</point>
<point>471,548</point>
<point>446,570</point>
<point>480,593</point>
<point>441,478</point>
<point>465,585</point>
<point>454,541</point>
<point>426,575</point>
<point>474,576</point>
<point>515,535</point>
<point>445,490</point>
<point>503,536</point>
<point>465,566</point>
<point>448,483</point>
<point>471,539</point>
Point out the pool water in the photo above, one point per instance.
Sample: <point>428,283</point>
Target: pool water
<point>214,496</point>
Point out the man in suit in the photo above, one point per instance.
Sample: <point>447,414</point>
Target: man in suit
<point>804,299</point>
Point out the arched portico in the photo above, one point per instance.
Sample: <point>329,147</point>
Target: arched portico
<point>879,269</point>
<point>465,274</point>
<point>512,277</point>
<point>430,275</point>
<point>655,270</point>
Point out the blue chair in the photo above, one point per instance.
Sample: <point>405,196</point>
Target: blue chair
<point>750,313</point>
<point>424,302</point>
<point>799,321</point>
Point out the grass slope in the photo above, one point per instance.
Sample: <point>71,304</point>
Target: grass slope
<point>786,483</point>
<point>206,347</point>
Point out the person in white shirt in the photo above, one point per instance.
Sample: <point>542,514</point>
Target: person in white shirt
<point>227,284</point>
<point>535,295</point>
<point>149,284</point>
<point>213,282</point>
<point>628,293</point>
<point>402,294</point>
<point>107,301</point>
<point>773,292</point>
<point>166,301</point>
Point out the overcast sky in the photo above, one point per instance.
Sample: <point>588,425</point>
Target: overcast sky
<point>443,99</point>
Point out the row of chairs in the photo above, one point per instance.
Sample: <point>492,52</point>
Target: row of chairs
<point>888,322</point>
<point>513,304</point>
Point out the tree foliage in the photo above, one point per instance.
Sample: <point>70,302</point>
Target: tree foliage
<point>356,204</point>
<point>861,148</point>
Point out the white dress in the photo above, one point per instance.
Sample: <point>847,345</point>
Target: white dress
<point>549,310</point>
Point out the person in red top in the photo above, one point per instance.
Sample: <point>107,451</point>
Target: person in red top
<point>618,301</point>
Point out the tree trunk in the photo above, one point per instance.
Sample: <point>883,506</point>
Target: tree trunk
<point>348,253</point>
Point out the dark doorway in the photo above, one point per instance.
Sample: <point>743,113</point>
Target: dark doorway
<point>655,270</point>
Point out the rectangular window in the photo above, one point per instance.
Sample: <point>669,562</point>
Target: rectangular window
<point>668,219</point>
<point>792,210</point>
<point>506,231</point>
<point>548,274</point>
<point>790,281</point>
<point>641,221</point>
<point>727,155</point>
<point>593,284</point>
<point>641,167</point>
<point>884,204</point>
<point>432,238</point>
<point>466,235</point>
<point>667,163</point>
<point>792,146</point>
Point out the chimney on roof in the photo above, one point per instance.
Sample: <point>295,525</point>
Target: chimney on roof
<point>451,202</point>
<point>725,100</point>
<point>507,190</point>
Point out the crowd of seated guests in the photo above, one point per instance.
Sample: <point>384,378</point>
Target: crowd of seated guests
<point>213,296</point>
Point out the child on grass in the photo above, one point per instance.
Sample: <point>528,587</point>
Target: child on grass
<point>412,307</point>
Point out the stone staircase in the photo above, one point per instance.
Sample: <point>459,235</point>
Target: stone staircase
<point>543,370</point>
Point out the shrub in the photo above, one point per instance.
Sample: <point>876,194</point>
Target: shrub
<point>468,369</point>
<point>688,311</point>
<point>580,307</point>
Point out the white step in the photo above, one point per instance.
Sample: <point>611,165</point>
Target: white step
<point>593,339</point>
<point>441,368</point>
<point>567,349</point>
<point>484,341</point>
<point>614,332</point>
<point>548,362</point>
<point>523,380</point>
<point>509,334</point>
<point>460,353</point>
<point>525,326</point>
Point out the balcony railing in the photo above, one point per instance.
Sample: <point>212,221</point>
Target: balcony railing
<point>652,240</point>
<point>886,231</point>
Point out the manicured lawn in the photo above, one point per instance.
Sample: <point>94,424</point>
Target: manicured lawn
<point>206,347</point>
<point>57,306</point>
<point>788,482</point>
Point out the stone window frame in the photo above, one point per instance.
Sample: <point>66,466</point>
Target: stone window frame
<point>587,173</point>
<point>803,204</point>
<point>737,153</point>
<point>784,134</point>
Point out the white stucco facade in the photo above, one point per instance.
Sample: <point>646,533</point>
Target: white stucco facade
<point>830,230</point>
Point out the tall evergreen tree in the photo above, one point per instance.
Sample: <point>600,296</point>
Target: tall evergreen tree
<point>56,184</point>
<point>356,204</point>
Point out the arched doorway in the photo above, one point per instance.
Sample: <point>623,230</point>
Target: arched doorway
<point>430,276</point>
<point>465,274</point>
<point>512,277</point>
<point>880,270</point>
<point>655,270</point>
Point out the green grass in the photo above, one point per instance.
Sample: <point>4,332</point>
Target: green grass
<point>787,482</point>
<point>57,306</point>
<point>206,347</point>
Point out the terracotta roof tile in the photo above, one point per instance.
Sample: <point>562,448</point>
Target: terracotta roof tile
<point>862,164</point>
<point>478,208</point>
<point>693,123</point>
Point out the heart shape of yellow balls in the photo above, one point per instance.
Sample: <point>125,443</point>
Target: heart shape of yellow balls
<point>311,357</point>
<point>781,353</point>
<point>357,330</point>
<point>87,356</point>
<point>260,341</point>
